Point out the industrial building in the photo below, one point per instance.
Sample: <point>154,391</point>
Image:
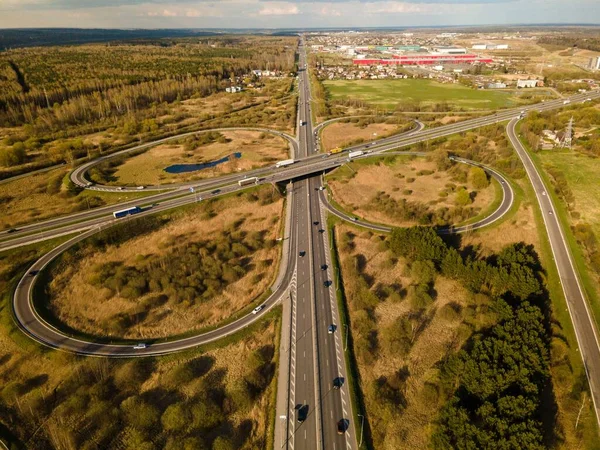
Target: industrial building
<point>489,47</point>
<point>450,50</point>
<point>529,83</point>
<point>421,60</point>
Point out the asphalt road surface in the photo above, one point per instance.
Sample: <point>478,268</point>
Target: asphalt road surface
<point>585,330</point>
<point>314,307</point>
<point>302,167</point>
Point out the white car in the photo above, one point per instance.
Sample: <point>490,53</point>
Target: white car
<point>139,346</point>
<point>258,309</point>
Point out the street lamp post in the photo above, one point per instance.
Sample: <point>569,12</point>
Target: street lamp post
<point>346,339</point>
<point>283,418</point>
<point>362,423</point>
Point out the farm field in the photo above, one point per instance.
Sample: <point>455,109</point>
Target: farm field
<point>43,196</point>
<point>424,93</point>
<point>257,150</point>
<point>217,396</point>
<point>405,191</point>
<point>176,273</point>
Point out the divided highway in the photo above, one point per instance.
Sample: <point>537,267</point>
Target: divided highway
<point>585,329</point>
<point>314,409</point>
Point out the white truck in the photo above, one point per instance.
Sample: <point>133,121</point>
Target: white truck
<point>286,162</point>
<point>247,181</point>
<point>355,154</point>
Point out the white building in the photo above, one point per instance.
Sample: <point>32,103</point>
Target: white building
<point>479,46</point>
<point>451,50</point>
<point>233,89</point>
<point>527,83</point>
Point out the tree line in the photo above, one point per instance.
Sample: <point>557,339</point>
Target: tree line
<point>499,383</point>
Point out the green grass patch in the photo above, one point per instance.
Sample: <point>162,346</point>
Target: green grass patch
<point>391,93</point>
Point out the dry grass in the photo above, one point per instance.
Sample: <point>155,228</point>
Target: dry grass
<point>520,228</point>
<point>83,306</point>
<point>26,200</point>
<point>356,194</point>
<point>411,428</point>
<point>339,134</point>
<point>36,412</point>
<point>148,168</point>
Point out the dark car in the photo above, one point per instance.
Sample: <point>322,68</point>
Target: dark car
<point>338,382</point>
<point>216,191</point>
<point>302,253</point>
<point>33,273</point>
<point>327,283</point>
<point>302,413</point>
<point>331,329</point>
<point>324,267</point>
<point>321,230</point>
<point>342,426</point>
<point>316,222</point>
<point>11,230</point>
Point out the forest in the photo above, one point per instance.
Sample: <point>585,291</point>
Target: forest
<point>582,40</point>
<point>500,379</point>
<point>51,98</point>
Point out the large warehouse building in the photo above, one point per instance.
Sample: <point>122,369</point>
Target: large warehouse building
<point>421,60</point>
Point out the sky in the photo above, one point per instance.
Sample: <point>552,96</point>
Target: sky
<point>290,13</point>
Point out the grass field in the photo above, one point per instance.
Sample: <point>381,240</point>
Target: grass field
<point>391,93</point>
<point>160,308</point>
<point>42,196</point>
<point>340,134</point>
<point>407,425</point>
<point>362,188</point>
<point>52,399</point>
<point>257,149</point>
<point>582,174</point>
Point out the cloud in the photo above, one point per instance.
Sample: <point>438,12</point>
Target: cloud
<point>279,9</point>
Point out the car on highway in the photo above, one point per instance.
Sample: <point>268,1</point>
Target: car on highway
<point>33,273</point>
<point>342,426</point>
<point>327,283</point>
<point>216,191</point>
<point>324,267</point>
<point>302,413</point>
<point>355,219</point>
<point>140,346</point>
<point>321,230</point>
<point>550,212</point>
<point>258,309</point>
<point>338,382</point>
<point>120,188</point>
<point>331,329</point>
<point>316,222</point>
<point>543,192</point>
<point>11,230</point>
<point>302,253</point>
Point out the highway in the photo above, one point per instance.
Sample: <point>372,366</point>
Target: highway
<point>78,175</point>
<point>585,329</point>
<point>315,356</point>
<point>304,166</point>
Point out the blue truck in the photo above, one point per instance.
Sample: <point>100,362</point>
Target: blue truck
<point>127,212</point>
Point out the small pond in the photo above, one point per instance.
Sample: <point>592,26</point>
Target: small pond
<point>182,168</point>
